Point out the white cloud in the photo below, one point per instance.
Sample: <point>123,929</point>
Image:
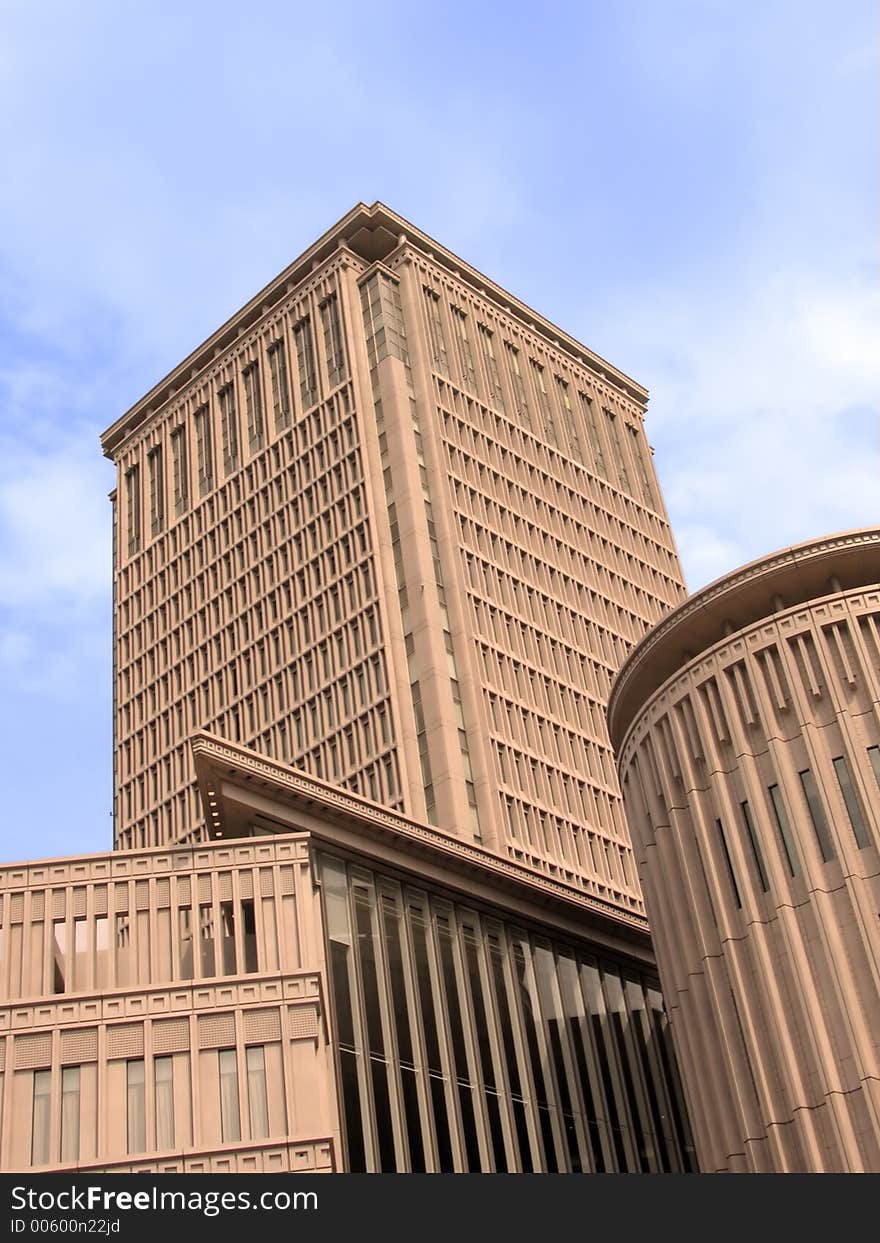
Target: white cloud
<point>763,408</point>
<point>55,529</point>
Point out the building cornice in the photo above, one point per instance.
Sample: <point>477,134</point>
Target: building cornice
<point>360,220</point>
<point>756,591</point>
<point>217,760</point>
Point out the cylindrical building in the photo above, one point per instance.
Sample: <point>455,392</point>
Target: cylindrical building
<point>747,731</point>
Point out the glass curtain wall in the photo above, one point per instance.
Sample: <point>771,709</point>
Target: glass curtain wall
<point>466,1043</point>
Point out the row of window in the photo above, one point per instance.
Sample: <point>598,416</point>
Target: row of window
<point>247,393</point>
<point>73,1116</point>
<point>818,818</point>
<point>561,505</point>
<point>557,845</point>
<point>543,626</point>
<point>520,384</point>
<point>308,520</point>
<point>540,552</point>
<point>534,590</point>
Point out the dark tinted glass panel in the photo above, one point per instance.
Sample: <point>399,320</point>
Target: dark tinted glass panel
<point>788,848</point>
<point>853,806</point>
<point>817,814</point>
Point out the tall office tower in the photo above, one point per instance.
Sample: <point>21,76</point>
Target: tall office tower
<point>391,527</point>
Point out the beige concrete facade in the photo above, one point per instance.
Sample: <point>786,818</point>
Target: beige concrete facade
<point>165,1002</point>
<point>379,546</point>
<point>747,727</point>
<point>392,527</point>
<point>326,985</point>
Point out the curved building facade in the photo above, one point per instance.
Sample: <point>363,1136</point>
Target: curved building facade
<point>747,730</point>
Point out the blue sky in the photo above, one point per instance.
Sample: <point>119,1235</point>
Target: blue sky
<point>689,187</point>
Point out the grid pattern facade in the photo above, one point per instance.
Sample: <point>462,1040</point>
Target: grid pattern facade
<point>397,532</point>
<point>550,556</point>
<point>162,1010</point>
<point>253,608</point>
<point>752,784</point>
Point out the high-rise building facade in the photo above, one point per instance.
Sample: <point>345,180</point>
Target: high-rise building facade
<point>380,545</point>
<point>390,526</point>
<point>748,741</point>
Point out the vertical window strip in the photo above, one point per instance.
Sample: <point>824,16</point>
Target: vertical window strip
<point>133,508</point>
<point>517,385</point>
<point>817,814</point>
<point>41,1118</point>
<point>136,1113</point>
<point>436,335</point>
<point>756,849</point>
<point>163,1082</point>
<point>305,359</point>
<point>230,1114</point>
<point>258,1100</point>
<point>729,862</point>
<point>228,428</point>
<point>788,846</point>
<point>549,427</point>
<point>465,357</point>
<point>70,1113</point>
<point>157,489</point>
<point>280,384</point>
<point>334,347</point>
<point>254,407</point>
<point>640,451</point>
<point>874,757</point>
<point>853,805</point>
<point>574,442</point>
<point>204,450</point>
<point>490,362</point>
<point>618,451</point>
<point>179,470</point>
<point>589,411</point>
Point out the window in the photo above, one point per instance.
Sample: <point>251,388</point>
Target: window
<point>784,832</point>
<point>334,348</point>
<point>258,1104</point>
<point>179,470</point>
<point>70,1077</point>
<point>436,336</point>
<point>817,814</point>
<point>305,358</point>
<point>230,1119</point>
<point>874,757</point>
<point>280,385</point>
<point>618,452</point>
<point>516,380</point>
<point>639,450</point>
<point>729,862</point>
<point>253,396</point>
<point>163,1080</point>
<point>465,357</point>
<point>41,1122</point>
<point>594,435</point>
<point>133,508</point>
<point>228,428</point>
<point>853,806</point>
<point>490,362</point>
<point>157,490</point>
<point>204,450</point>
<point>753,842</point>
<point>136,1107</point>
